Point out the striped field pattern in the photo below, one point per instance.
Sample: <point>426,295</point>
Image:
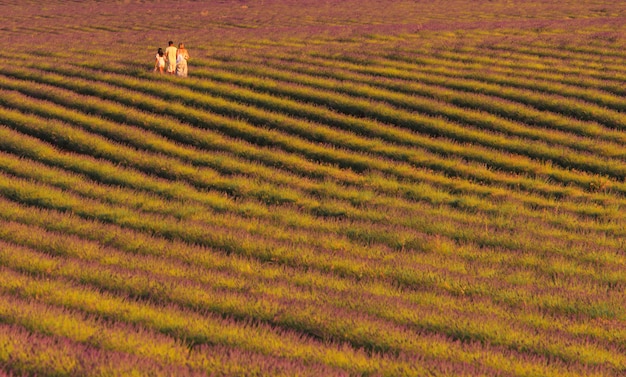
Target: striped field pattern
<point>426,188</point>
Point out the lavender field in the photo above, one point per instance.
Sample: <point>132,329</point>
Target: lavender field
<point>339,188</point>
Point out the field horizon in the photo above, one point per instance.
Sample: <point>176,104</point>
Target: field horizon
<point>339,188</point>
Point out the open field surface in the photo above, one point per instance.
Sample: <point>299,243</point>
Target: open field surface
<point>339,188</point>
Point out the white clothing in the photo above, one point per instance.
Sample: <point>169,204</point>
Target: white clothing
<point>161,61</point>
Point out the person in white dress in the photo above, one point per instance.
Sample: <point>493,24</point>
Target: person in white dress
<point>159,64</point>
<point>181,60</point>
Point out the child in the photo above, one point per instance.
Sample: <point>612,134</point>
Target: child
<point>160,61</point>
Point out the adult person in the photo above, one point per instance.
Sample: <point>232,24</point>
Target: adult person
<point>181,60</point>
<point>159,64</point>
<point>170,56</point>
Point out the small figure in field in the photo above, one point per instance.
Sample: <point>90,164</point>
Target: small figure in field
<point>181,61</point>
<point>170,57</point>
<point>159,64</point>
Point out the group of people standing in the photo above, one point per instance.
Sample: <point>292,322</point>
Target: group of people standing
<point>173,60</point>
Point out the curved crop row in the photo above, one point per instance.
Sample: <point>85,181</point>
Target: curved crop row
<point>517,183</point>
<point>555,175</point>
<point>313,69</point>
<point>27,235</point>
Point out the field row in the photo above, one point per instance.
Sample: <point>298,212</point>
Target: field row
<point>590,182</point>
<point>89,145</point>
<point>102,271</point>
<point>76,210</point>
